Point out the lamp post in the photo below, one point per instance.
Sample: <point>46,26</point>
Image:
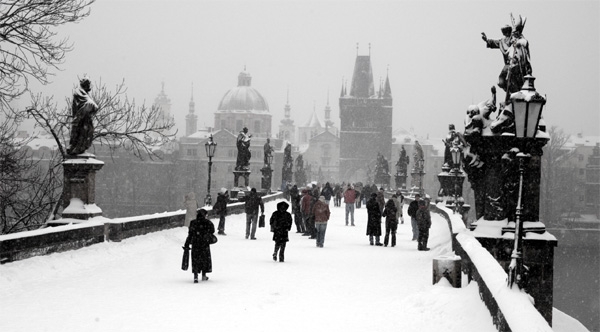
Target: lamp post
<point>210,146</point>
<point>455,152</point>
<point>527,107</point>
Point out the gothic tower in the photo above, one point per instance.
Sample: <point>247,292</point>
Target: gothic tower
<point>191,120</point>
<point>287,129</point>
<point>365,123</point>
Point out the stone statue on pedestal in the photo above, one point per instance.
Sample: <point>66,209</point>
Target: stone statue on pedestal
<point>243,146</point>
<point>83,109</point>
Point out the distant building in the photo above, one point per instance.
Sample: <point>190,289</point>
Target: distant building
<point>191,119</point>
<point>365,122</point>
<point>164,104</point>
<point>287,129</point>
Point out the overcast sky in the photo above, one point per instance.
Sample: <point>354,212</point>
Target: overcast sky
<point>437,62</point>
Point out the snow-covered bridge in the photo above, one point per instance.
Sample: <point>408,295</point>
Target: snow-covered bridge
<point>137,285</point>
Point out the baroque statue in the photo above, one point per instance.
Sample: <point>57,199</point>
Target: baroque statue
<point>83,109</point>
<point>243,147</point>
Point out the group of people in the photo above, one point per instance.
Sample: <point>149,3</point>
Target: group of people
<point>310,213</point>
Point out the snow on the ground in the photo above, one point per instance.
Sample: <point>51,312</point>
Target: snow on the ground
<point>138,285</point>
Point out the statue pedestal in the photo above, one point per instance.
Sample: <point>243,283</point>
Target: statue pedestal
<point>265,181</point>
<point>538,256</point>
<point>400,180</point>
<point>244,174</point>
<point>79,192</point>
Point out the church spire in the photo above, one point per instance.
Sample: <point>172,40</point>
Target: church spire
<point>387,92</point>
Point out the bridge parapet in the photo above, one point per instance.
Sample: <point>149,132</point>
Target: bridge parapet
<point>83,233</point>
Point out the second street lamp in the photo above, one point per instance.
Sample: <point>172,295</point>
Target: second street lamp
<point>527,107</point>
<point>455,151</point>
<point>210,146</point>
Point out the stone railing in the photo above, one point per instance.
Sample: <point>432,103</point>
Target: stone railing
<point>48,240</point>
<point>511,309</point>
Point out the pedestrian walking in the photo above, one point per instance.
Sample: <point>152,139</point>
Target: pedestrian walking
<point>296,210</point>
<point>220,208</point>
<point>424,222</point>
<point>322,213</point>
<point>399,200</point>
<point>327,192</point>
<point>391,221</point>
<point>374,220</point>
<point>199,233</point>
<point>349,199</point>
<point>251,206</point>
<point>281,223</point>
<point>412,213</point>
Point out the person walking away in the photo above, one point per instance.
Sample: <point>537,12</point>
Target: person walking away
<point>374,220</point>
<point>337,191</point>
<point>381,199</point>
<point>198,237</point>
<point>191,208</point>
<point>327,192</point>
<point>349,199</point>
<point>305,206</point>
<point>296,211</point>
<point>310,224</point>
<point>424,222</point>
<point>412,213</point>
<point>253,202</point>
<point>358,188</point>
<point>391,221</point>
<point>399,200</point>
<point>220,209</point>
<point>281,223</point>
<point>322,214</point>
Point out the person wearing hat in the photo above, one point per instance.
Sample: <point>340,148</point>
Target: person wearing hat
<point>197,235</point>
<point>412,213</point>
<point>391,221</point>
<point>281,223</point>
<point>220,208</point>
<point>322,213</point>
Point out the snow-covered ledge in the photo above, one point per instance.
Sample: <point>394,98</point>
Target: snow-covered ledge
<point>512,309</point>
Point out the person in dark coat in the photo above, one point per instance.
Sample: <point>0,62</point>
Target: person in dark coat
<point>199,236</point>
<point>296,210</point>
<point>424,222</point>
<point>381,199</point>
<point>374,220</point>
<point>281,223</point>
<point>327,192</point>
<point>253,202</point>
<point>220,209</point>
<point>413,207</point>
<point>391,220</point>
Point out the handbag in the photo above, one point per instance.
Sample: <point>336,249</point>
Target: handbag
<point>185,262</point>
<point>212,239</point>
<point>261,221</point>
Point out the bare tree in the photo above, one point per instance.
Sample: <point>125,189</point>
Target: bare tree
<point>29,44</point>
<point>120,123</point>
<point>29,186</point>
<point>559,183</point>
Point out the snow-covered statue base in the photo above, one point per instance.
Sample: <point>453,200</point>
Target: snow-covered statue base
<point>79,190</point>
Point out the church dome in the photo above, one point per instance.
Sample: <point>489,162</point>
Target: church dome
<point>243,97</point>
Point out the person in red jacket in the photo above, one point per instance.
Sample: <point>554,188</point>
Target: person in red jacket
<point>322,213</point>
<point>349,199</point>
<point>305,207</point>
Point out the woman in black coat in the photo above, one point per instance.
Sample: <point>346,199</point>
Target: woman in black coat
<point>281,223</point>
<point>374,220</point>
<point>200,231</point>
<point>391,221</point>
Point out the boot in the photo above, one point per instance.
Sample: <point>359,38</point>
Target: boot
<point>204,277</point>
<point>195,278</point>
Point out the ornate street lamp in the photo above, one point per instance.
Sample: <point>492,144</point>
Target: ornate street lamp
<point>527,109</point>
<point>455,152</point>
<point>210,146</point>
<point>269,160</point>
